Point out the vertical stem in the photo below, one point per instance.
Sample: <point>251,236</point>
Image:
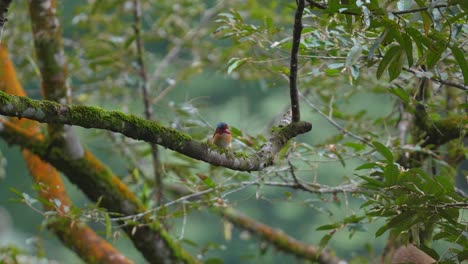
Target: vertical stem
<point>148,110</point>
<point>296,115</point>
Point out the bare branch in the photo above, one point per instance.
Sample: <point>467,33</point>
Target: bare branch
<point>325,6</point>
<point>417,10</point>
<point>145,88</point>
<point>188,195</point>
<point>444,82</point>
<point>296,114</point>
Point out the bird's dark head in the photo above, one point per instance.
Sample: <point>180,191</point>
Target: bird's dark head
<point>222,128</point>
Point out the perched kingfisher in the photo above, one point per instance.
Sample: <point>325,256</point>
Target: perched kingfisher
<point>222,136</point>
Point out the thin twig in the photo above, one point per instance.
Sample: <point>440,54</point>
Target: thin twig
<point>146,96</point>
<point>416,10</point>
<point>234,187</point>
<point>325,6</point>
<point>296,114</point>
<point>299,184</point>
<point>444,82</point>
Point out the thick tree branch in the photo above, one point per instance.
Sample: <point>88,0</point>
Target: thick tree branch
<point>49,50</point>
<point>435,132</point>
<point>296,114</point>
<point>96,181</point>
<point>439,132</point>
<point>74,234</point>
<point>99,184</point>
<point>52,63</point>
<point>140,129</point>
<point>279,239</point>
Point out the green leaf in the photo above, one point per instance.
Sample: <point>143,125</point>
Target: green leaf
<point>353,219</point>
<point>384,151</point>
<point>402,221</point>
<point>420,40</point>
<point>389,56</point>
<point>367,166</point>
<point>401,93</point>
<point>333,5</point>
<point>189,242</point>
<point>394,69</point>
<point>427,21</point>
<point>376,45</point>
<point>129,41</point>
<point>407,45</point>
<point>391,174</point>
<point>355,146</point>
<point>425,16</point>
<point>461,60</point>
<point>13,190</point>
<point>328,227</point>
<point>235,63</point>
<point>381,230</point>
<point>209,182</point>
<point>325,239</point>
<point>371,182</point>
<point>433,56</point>
<point>353,55</point>
<point>340,158</point>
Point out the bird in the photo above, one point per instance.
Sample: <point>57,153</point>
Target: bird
<point>222,136</point>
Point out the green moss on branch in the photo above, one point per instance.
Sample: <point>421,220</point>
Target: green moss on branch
<point>149,131</point>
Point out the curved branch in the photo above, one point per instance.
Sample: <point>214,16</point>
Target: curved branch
<point>140,129</point>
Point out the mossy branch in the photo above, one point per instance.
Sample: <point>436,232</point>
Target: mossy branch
<point>439,132</point>
<point>149,131</point>
<point>277,238</point>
